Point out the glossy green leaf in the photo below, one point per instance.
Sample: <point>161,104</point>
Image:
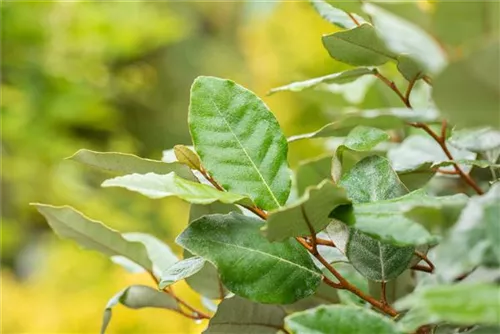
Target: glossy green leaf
<point>159,186</point>
<point>187,157</point>
<point>460,304</point>
<point>394,118</point>
<point>239,141</point>
<point>404,37</point>
<point>250,266</point>
<point>339,319</point>
<point>466,92</point>
<point>476,140</point>
<point>69,223</point>
<point>337,78</point>
<point>336,16</point>
<point>123,163</point>
<point>360,139</point>
<point>312,172</point>
<point>181,270</point>
<point>239,315</point>
<point>360,46</point>
<point>309,212</point>
<point>136,297</point>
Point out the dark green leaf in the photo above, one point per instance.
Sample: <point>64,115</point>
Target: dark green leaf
<point>159,186</point>
<point>339,320</point>
<point>337,78</point>
<point>309,212</point>
<point>360,46</point>
<point>181,270</point>
<point>250,265</point>
<point>136,297</point>
<point>123,163</point>
<point>238,315</point>
<point>312,172</point>
<point>239,141</point>
<point>336,16</point>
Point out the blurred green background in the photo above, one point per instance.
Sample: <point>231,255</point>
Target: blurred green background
<point>113,76</point>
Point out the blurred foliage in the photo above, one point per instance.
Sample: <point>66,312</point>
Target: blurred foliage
<point>115,77</point>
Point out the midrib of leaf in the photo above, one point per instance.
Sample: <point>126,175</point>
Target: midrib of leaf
<point>245,151</point>
<point>265,254</point>
<point>367,48</point>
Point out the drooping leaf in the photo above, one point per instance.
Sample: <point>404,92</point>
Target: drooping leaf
<point>371,180</point>
<point>471,238</point>
<point>311,209</point>
<point>382,119</point>
<point>69,223</point>
<point>123,163</point>
<point>404,37</point>
<point>360,46</point>
<point>335,78</point>
<point>312,172</point>
<point>360,139</point>
<point>466,92</point>
<point>159,186</point>
<point>251,266</point>
<point>459,304</point>
<point>239,141</point>
<point>187,157</point>
<point>338,232</point>
<point>181,270</point>
<point>339,319</point>
<point>239,315</point>
<point>409,68</point>
<point>476,140</point>
<point>136,297</point>
<point>336,16</point>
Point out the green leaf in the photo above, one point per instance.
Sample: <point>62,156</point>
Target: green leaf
<point>187,157</point>
<point>336,16</point>
<point>452,304</point>
<point>238,315</point>
<point>371,180</point>
<point>360,46</point>
<point>404,37</point>
<point>394,118</point>
<point>471,238</point>
<point>409,68</point>
<point>69,223</point>
<point>476,140</point>
<point>400,287</point>
<point>339,319</point>
<point>136,297</point>
<point>466,92</point>
<point>123,163</point>
<point>239,141</point>
<point>159,186</point>
<point>310,211</point>
<point>386,220</point>
<point>354,277</point>
<point>250,266</point>
<point>360,139</point>
<point>335,78</point>
<point>312,172</point>
<point>181,270</point>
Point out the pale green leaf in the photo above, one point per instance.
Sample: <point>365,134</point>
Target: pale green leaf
<point>312,172</point>
<point>239,141</point>
<point>309,212</point>
<point>181,270</point>
<point>336,78</point>
<point>360,46</point>
<point>123,163</point>
<point>187,157</point>
<point>250,266</point>
<point>336,16</point>
<point>476,139</point>
<point>404,37</point>
<point>394,118</point>
<point>339,319</point>
<point>239,315</point>
<point>69,223</point>
<point>460,304</point>
<point>409,68</point>
<point>467,91</point>
<point>159,186</point>
<point>136,297</point>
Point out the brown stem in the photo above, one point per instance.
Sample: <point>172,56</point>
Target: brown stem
<point>441,140</point>
<point>383,295</point>
<point>392,86</point>
<point>427,79</point>
<point>419,267</point>
<point>425,259</point>
<point>325,242</point>
<point>411,84</point>
<point>353,19</point>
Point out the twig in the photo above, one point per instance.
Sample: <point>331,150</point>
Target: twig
<point>383,296</point>
<point>411,84</point>
<point>419,267</point>
<point>392,86</point>
<point>425,259</point>
<point>441,140</point>
<point>353,19</point>
<point>325,242</point>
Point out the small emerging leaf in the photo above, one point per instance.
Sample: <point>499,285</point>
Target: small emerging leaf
<point>187,157</point>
